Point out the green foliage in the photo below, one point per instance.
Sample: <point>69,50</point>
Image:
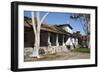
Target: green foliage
<point>68,46</point>
<point>82,50</point>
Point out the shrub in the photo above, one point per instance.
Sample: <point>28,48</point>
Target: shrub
<point>68,46</point>
<point>41,51</point>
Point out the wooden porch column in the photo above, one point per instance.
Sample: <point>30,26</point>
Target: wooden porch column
<point>49,43</point>
<point>63,44</point>
<point>57,43</point>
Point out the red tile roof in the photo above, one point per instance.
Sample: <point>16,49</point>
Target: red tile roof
<point>45,27</point>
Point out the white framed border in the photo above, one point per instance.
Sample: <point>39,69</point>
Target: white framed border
<point>22,64</point>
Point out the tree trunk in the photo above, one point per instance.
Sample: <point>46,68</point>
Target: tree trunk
<point>37,37</point>
<point>36,28</point>
<point>88,42</point>
<point>36,46</point>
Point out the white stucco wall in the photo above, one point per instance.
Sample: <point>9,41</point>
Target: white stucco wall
<point>69,41</point>
<point>72,42</point>
<point>75,42</point>
<point>67,29</point>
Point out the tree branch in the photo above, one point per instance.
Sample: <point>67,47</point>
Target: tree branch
<point>38,20</point>
<point>33,23</point>
<point>42,19</point>
<point>82,24</point>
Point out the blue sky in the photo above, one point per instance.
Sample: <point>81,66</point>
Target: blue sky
<point>60,18</point>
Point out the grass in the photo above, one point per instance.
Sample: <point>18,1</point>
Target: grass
<point>82,50</point>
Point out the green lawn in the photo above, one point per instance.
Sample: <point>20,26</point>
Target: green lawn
<point>82,50</point>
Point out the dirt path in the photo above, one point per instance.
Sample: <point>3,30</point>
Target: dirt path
<point>75,55</point>
<point>62,56</point>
